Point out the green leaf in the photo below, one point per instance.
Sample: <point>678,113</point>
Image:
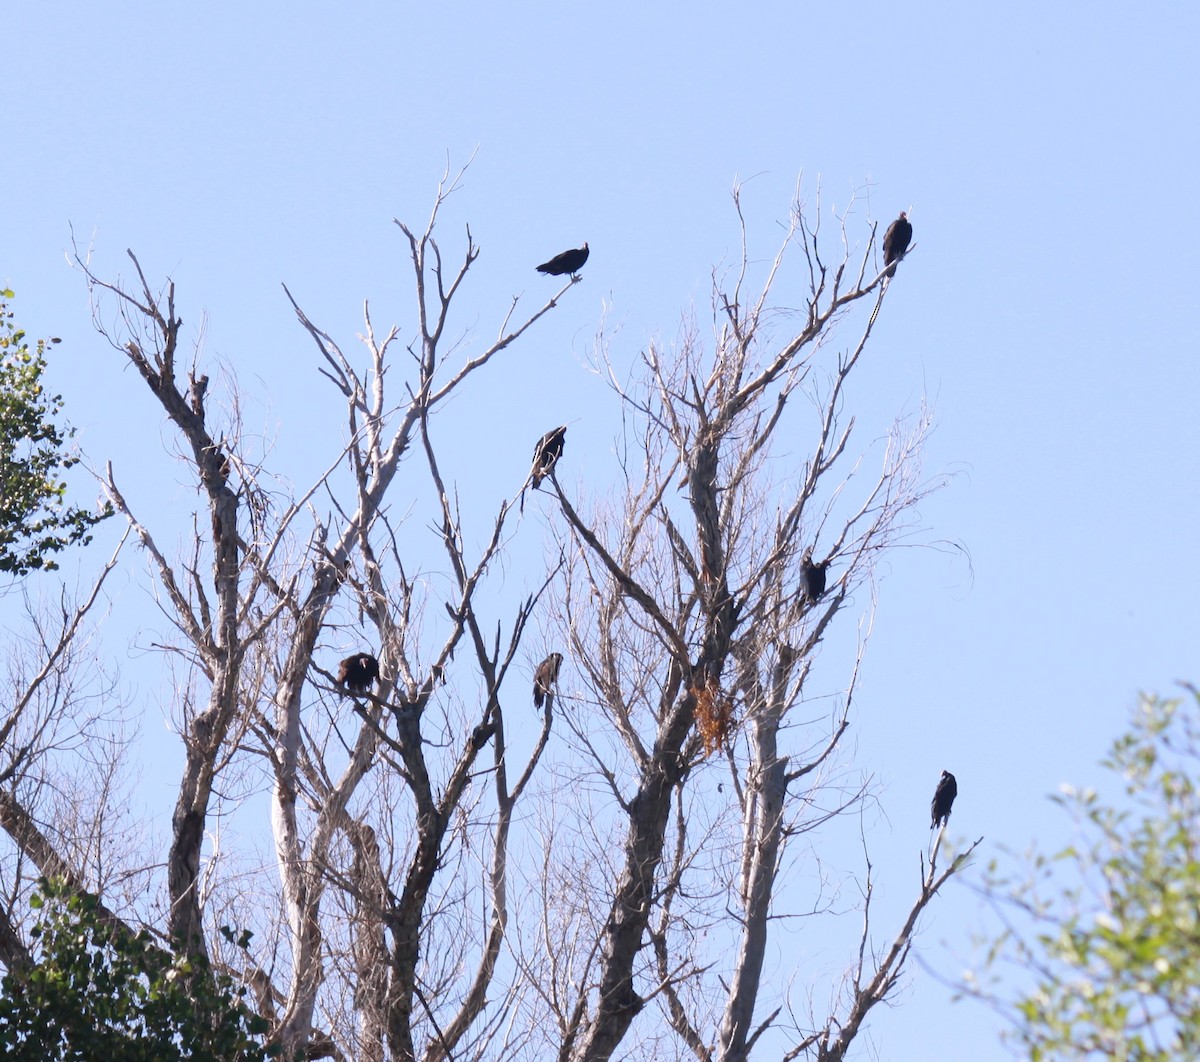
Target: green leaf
<point>1116,931</point>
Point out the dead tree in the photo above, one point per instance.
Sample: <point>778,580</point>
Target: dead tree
<point>280,582</point>
<point>433,894</point>
<point>691,618</point>
<point>59,743</point>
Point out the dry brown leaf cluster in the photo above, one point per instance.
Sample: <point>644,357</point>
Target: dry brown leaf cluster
<point>714,717</point>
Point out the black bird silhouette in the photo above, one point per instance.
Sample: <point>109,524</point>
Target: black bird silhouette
<point>545,677</point>
<point>480,735</point>
<point>567,262</point>
<point>546,454</point>
<point>358,673</point>
<point>895,242</point>
<point>943,799</point>
<point>814,576</point>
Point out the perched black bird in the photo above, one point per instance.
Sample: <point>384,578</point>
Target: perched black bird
<point>943,799</point>
<point>545,677</point>
<point>548,450</point>
<point>895,242</point>
<point>480,735</point>
<point>567,262</point>
<point>358,673</point>
<point>814,576</point>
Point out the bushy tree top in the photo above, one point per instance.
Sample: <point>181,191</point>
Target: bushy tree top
<point>35,520</point>
<point>97,991</point>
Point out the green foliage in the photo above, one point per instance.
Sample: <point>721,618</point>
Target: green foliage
<point>1115,957</point>
<point>35,522</point>
<point>100,992</point>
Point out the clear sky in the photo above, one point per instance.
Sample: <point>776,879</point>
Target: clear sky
<point>1047,314</point>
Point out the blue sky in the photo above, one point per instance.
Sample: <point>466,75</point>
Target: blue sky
<point>1043,152</point>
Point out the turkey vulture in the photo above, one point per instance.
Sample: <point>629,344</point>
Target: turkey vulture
<point>943,798</point>
<point>567,262</point>
<point>480,735</point>
<point>814,576</point>
<point>545,677</point>
<point>895,242</point>
<point>358,673</point>
<point>548,450</point>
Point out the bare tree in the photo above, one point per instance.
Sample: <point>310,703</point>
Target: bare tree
<point>60,737</point>
<point>697,630</point>
<point>398,919</point>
